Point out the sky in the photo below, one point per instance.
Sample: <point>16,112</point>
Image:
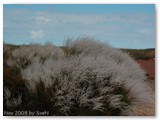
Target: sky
<point>119,25</point>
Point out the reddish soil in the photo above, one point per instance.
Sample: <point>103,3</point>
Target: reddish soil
<point>148,66</point>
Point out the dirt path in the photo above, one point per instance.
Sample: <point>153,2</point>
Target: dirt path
<point>148,66</point>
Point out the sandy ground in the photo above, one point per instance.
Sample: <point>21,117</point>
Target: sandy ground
<point>149,67</point>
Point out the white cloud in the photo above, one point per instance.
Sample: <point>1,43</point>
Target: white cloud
<point>144,31</point>
<point>88,19</point>
<point>42,20</point>
<point>37,34</point>
<point>58,25</point>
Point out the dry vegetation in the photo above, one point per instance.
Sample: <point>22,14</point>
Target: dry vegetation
<point>144,54</point>
<point>83,78</point>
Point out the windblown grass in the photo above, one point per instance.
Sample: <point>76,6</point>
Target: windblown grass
<point>84,78</point>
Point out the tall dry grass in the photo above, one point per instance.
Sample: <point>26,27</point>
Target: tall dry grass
<point>85,78</point>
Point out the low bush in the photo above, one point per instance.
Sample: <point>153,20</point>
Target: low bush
<point>83,78</point>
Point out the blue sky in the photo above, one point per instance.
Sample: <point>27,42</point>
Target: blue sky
<point>120,25</point>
